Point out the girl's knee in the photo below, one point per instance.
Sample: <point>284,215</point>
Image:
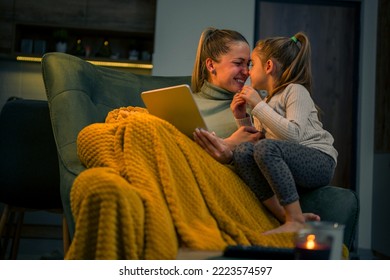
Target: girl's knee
<point>243,151</point>
<point>266,146</point>
<point>266,151</point>
<point>244,148</point>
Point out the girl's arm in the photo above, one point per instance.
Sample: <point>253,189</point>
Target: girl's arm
<point>290,116</point>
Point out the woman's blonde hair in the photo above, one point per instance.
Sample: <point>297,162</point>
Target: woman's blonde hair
<point>212,44</point>
<point>292,56</point>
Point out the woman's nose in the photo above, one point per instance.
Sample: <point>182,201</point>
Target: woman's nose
<point>246,70</point>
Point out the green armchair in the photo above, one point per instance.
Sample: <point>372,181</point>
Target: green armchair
<point>80,93</point>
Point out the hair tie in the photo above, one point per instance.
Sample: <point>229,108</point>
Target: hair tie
<point>294,39</point>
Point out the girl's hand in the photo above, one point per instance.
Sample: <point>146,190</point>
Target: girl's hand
<point>250,95</point>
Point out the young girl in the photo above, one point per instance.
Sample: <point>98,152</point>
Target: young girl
<point>297,153</point>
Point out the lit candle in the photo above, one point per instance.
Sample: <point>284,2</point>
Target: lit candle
<point>310,243</point>
<point>308,247</point>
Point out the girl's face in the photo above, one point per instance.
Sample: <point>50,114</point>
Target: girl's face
<point>257,73</point>
<point>231,71</point>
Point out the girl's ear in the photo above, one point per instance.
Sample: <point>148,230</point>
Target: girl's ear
<point>270,66</point>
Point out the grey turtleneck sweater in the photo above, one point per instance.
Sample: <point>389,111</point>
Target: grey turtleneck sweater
<point>214,105</point>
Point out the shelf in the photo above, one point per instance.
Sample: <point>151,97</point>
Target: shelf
<point>35,40</point>
<point>30,28</point>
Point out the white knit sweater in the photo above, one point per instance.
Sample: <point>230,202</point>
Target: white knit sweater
<point>291,115</point>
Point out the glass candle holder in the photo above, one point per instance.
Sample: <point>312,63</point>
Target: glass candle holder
<point>312,245</point>
<point>334,230</point>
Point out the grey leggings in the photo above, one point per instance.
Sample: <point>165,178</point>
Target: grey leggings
<point>283,168</point>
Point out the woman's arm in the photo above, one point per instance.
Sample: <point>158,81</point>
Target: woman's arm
<point>222,149</point>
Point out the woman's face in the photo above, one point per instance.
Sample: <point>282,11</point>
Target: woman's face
<point>231,71</point>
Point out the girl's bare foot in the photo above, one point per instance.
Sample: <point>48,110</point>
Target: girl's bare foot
<point>286,227</point>
<point>310,217</point>
<point>294,226</point>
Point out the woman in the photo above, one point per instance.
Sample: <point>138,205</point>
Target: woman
<point>154,189</point>
<point>220,71</point>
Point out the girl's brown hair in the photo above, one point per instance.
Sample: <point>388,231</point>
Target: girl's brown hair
<point>292,57</point>
<point>212,44</point>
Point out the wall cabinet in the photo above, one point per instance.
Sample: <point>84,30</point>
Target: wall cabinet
<point>6,26</point>
<point>124,27</point>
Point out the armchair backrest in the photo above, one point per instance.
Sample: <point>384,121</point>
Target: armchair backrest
<point>80,93</point>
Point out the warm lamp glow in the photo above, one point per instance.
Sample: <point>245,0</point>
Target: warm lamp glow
<point>121,64</point>
<point>96,62</point>
<point>28,58</point>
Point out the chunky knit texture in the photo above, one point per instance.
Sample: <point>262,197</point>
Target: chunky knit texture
<point>149,190</point>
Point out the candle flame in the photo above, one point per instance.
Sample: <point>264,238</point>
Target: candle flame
<point>310,241</point>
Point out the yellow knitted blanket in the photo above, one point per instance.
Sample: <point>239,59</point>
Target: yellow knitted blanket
<point>149,190</point>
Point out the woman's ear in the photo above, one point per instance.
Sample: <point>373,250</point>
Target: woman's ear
<point>210,65</point>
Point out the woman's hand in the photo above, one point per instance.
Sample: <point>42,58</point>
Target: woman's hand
<point>238,106</point>
<point>214,145</point>
<point>243,134</point>
<point>222,149</point>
